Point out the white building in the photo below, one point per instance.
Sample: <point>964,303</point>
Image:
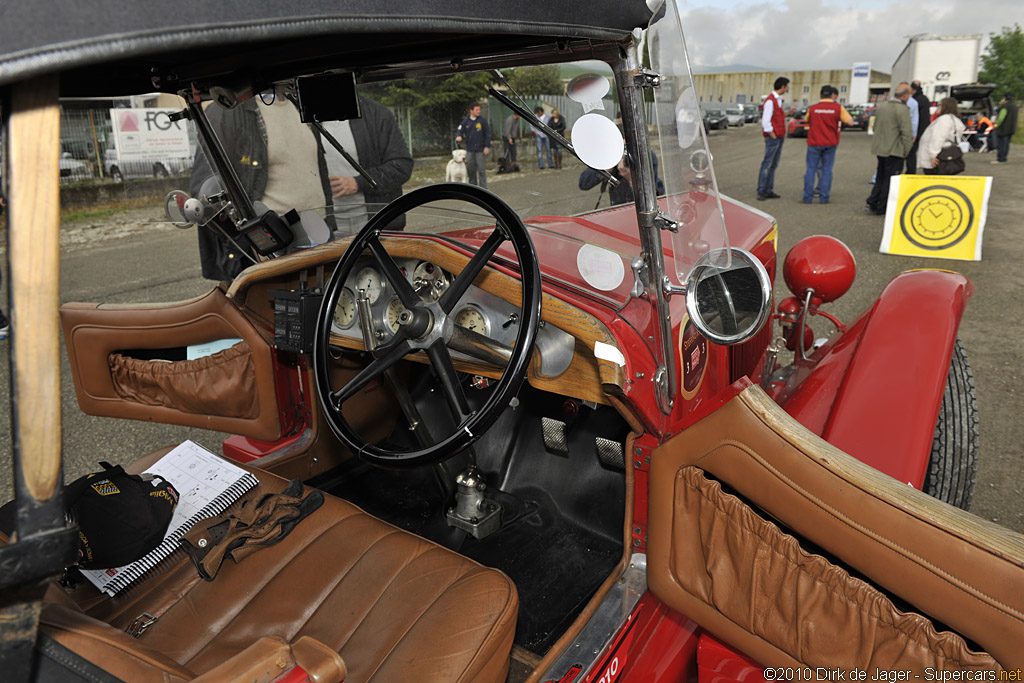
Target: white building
<point>938,62</point>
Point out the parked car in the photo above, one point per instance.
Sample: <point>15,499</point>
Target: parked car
<point>735,115</point>
<point>751,113</point>
<point>975,99</point>
<point>861,117</point>
<point>540,442</point>
<point>714,116</point>
<point>73,170</point>
<point>797,127</point>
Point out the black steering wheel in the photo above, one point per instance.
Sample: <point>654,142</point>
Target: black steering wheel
<point>428,326</point>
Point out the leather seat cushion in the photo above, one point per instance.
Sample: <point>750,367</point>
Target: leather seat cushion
<point>395,606</point>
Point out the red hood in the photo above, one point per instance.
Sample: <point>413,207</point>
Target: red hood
<point>558,240</point>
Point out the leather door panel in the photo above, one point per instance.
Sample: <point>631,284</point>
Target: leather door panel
<point>232,391</point>
<point>720,559</point>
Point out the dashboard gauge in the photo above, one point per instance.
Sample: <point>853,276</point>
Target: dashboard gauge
<point>395,309</point>
<point>368,279</point>
<point>429,281</point>
<point>471,318</point>
<point>345,311</point>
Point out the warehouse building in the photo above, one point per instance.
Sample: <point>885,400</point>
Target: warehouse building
<point>750,87</point>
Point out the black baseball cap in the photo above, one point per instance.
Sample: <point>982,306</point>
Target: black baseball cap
<point>120,516</point>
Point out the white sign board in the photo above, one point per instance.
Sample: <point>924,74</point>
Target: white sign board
<point>148,133</point>
<point>860,83</point>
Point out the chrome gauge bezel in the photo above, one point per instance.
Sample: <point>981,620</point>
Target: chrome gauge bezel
<point>473,307</point>
<point>345,292</point>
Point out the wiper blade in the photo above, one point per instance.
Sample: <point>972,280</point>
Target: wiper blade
<point>532,119</point>
<point>337,145</point>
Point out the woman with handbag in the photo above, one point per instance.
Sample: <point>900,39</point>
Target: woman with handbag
<point>939,151</point>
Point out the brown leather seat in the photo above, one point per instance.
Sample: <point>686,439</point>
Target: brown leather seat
<point>395,606</point>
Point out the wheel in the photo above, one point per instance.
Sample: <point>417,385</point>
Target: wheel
<point>160,171</point>
<point>953,466</point>
<point>427,326</point>
<point>116,175</point>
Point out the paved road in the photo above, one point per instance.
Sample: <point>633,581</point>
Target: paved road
<point>135,257</point>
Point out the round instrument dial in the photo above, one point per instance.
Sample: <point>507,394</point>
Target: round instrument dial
<point>345,311</point>
<point>368,279</point>
<point>429,281</point>
<point>395,308</point>
<point>471,318</point>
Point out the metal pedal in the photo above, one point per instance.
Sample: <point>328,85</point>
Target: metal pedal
<point>610,453</point>
<point>554,436</point>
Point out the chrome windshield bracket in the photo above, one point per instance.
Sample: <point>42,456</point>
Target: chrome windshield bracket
<point>666,223</point>
<point>645,78</point>
<point>634,130</point>
<point>639,268</point>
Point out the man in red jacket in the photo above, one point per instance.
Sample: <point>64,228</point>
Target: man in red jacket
<point>773,127</point>
<point>824,119</point>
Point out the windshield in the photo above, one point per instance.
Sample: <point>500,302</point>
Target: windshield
<point>513,132</point>
<point>690,185</point>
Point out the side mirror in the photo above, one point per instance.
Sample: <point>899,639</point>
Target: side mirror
<point>174,207</point>
<point>728,305</point>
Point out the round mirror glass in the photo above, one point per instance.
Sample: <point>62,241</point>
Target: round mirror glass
<point>728,305</point>
<point>587,88</point>
<point>174,207</point>
<point>597,141</point>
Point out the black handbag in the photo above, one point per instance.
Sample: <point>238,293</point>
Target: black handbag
<point>951,161</point>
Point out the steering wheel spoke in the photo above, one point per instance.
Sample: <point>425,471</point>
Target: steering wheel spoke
<point>472,269</point>
<point>393,274</point>
<point>448,376</point>
<point>385,357</point>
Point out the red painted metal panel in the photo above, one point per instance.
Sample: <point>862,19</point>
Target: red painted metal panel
<point>886,409</point>
<point>719,663</point>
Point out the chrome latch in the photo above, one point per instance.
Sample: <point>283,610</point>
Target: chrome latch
<point>141,623</point>
<point>663,222</point>
<point>639,267</point>
<point>645,78</point>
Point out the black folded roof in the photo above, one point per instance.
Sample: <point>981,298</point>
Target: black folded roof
<point>117,46</point>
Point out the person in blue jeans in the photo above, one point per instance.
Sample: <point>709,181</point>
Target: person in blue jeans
<point>543,143</point>
<point>824,121</point>
<point>773,127</point>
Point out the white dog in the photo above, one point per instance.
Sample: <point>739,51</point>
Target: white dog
<point>456,168</point>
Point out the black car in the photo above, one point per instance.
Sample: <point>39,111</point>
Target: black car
<point>714,117</point>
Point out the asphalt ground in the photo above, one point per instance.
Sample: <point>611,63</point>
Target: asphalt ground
<point>134,256</point>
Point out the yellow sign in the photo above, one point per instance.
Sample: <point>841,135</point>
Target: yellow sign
<point>936,216</point>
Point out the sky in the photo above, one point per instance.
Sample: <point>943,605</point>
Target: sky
<point>829,34</point>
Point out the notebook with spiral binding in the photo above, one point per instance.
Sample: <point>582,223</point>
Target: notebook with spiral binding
<point>207,485</point>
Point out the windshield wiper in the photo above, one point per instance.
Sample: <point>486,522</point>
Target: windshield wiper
<point>337,145</point>
<point>532,119</point>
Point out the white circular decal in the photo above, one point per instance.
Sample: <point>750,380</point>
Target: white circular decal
<point>687,118</point>
<point>602,269</point>
<point>597,141</point>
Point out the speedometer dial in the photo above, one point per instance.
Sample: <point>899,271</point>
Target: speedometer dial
<point>471,318</point>
<point>395,309</point>
<point>345,311</point>
<point>368,279</point>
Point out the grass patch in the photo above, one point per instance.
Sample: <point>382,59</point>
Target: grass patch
<point>75,213</point>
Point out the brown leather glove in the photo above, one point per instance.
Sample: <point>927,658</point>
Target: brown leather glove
<point>260,520</point>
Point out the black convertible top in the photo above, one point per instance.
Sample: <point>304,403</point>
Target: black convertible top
<point>120,46</point>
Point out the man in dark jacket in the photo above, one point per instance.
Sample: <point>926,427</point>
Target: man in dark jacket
<point>923,119</point>
<point>243,132</point>
<point>475,132</point>
<point>1006,126</point>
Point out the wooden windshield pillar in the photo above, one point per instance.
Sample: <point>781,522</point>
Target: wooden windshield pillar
<point>42,545</point>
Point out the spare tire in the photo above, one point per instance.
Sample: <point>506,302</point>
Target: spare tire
<point>953,467</point>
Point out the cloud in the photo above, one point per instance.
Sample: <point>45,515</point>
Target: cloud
<point>829,34</point>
